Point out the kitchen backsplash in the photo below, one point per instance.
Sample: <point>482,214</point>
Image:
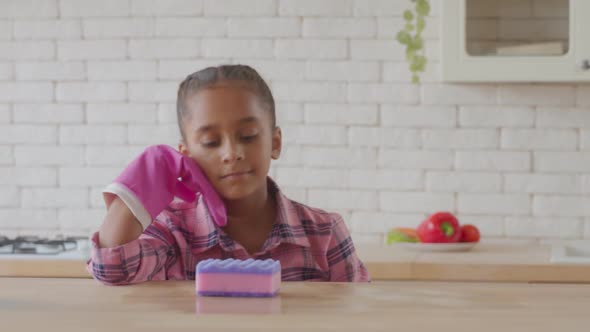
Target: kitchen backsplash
<point>86,85</point>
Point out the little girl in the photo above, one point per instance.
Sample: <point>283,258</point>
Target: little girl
<point>226,206</point>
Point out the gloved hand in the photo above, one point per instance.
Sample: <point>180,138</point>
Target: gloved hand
<point>150,182</point>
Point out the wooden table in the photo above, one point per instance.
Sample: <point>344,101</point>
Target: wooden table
<point>486,262</point>
<point>29,304</point>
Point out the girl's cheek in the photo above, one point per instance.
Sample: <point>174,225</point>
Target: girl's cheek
<point>206,161</point>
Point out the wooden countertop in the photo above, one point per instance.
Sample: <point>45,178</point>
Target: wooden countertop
<point>29,304</point>
<point>505,262</point>
<point>486,262</point>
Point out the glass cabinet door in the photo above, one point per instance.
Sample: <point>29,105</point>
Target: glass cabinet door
<point>515,40</point>
<point>517,28</point>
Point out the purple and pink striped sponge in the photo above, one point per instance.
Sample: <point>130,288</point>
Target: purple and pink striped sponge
<point>234,277</point>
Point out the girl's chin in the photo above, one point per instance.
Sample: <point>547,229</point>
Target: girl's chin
<point>236,192</point>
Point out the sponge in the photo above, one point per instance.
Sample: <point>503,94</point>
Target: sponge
<point>239,278</point>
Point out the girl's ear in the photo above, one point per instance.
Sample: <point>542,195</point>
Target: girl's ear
<point>277,142</point>
<point>182,148</point>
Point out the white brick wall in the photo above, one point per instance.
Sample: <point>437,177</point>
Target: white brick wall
<point>511,204</point>
<point>5,30</point>
<point>43,155</point>
<point>379,8</point>
<point>312,92</point>
<point>256,27</point>
<point>9,196</point>
<point>28,221</point>
<point>311,49</point>
<point>50,71</point>
<point>496,117</point>
<point>86,85</point>
<point>164,48</point>
<point>339,27</point>
<point>115,156</point>
<point>26,92</point>
<point>28,176</point>
<point>56,198</point>
<point>48,113</point>
<point>121,113</point>
<point>119,27</point>
<point>6,71</point>
<point>92,134</point>
<point>348,114</point>
<point>414,202</point>
<point>493,160</point>
<point>342,71</point>
<point>546,95</point>
<point>5,114</point>
<point>122,70</point>
<point>240,8</point>
<point>315,7</point>
<point>543,183</point>
<point>90,92</point>
<point>91,49</point>
<point>90,8</point>
<point>583,96</point>
<point>452,94</point>
<point>463,182</point>
<point>6,155</point>
<point>232,48</point>
<point>47,29</point>
<point>166,7</point>
<point>28,8</point>
<point>26,134</point>
<point>190,27</point>
<point>561,228</point>
<point>386,137</point>
<point>543,139</point>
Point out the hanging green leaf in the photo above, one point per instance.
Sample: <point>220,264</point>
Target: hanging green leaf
<point>420,24</point>
<point>418,64</point>
<point>411,37</point>
<point>421,61</point>
<point>404,37</point>
<point>410,54</point>
<point>422,7</point>
<point>417,43</point>
<point>408,15</point>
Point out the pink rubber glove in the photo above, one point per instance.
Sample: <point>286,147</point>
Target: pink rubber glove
<point>150,182</point>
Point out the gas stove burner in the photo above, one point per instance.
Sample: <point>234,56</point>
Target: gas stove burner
<point>4,240</point>
<point>39,246</point>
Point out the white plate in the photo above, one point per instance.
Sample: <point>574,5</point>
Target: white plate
<point>436,247</point>
<point>570,253</point>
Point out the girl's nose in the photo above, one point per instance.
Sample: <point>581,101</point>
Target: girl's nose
<point>232,152</point>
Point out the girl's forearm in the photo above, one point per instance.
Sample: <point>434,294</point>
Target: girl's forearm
<point>119,226</point>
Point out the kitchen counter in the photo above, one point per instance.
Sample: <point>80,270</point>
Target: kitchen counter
<point>486,262</point>
<point>500,262</point>
<point>30,304</point>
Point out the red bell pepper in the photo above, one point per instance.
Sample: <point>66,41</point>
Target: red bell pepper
<point>441,227</point>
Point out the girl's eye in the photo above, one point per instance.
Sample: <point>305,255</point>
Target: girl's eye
<point>210,144</point>
<point>249,138</point>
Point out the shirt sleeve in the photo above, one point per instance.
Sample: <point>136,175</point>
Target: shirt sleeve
<point>342,258</point>
<point>143,259</point>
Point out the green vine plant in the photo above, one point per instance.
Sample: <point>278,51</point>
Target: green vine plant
<point>411,37</point>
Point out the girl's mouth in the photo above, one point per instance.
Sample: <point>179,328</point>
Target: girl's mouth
<point>236,175</point>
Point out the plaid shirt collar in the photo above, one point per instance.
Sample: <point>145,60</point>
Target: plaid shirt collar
<point>288,227</point>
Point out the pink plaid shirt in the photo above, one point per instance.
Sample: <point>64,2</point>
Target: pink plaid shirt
<point>311,245</point>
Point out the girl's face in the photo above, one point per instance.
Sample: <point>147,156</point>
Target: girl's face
<point>229,134</point>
